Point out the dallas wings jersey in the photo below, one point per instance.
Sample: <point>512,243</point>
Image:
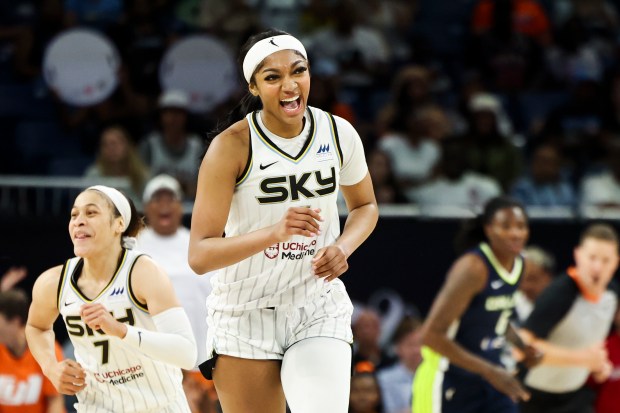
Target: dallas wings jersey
<point>119,378</point>
<point>326,154</point>
<point>480,330</point>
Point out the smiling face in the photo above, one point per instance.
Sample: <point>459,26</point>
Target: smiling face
<point>164,212</point>
<point>282,81</point>
<point>596,261</point>
<point>508,230</point>
<point>93,227</point>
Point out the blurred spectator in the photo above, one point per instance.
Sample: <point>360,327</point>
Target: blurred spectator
<point>12,277</point>
<point>28,36</point>
<point>142,38</point>
<point>593,23</point>
<point>489,147</point>
<point>545,185</point>
<point>576,126</point>
<point>230,20</point>
<point>410,89</point>
<point>197,398</point>
<point>538,274</point>
<point>396,381</point>
<point>166,240</point>
<point>601,192</point>
<point>117,157</point>
<point>412,152</point>
<point>172,148</point>
<point>324,93</point>
<point>23,388</point>
<point>387,190</point>
<point>366,335</point>
<point>508,36</point>
<point>365,393</point>
<point>361,52</point>
<point>455,188</point>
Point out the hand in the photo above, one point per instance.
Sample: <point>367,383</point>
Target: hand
<point>67,376</point>
<point>97,317</point>
<point>602,375</point>
<point>506,383</point>
<point>330,262</point>
<point>596,356</point>
<point>531,356</point>
<point>298,221</point>
<point>12,277</point>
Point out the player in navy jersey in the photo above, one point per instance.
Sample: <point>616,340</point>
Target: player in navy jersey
<point>279,317</point>
<point>464,332</point>
<point>130,334</point>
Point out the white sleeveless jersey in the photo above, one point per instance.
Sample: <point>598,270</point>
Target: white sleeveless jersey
<point>119,377</point>
<point>330,154</point>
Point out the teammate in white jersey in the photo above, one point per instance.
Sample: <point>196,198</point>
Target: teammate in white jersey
<point>279,317</point>
<point>131,336</point>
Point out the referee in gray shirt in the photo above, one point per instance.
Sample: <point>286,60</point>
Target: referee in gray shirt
<point>569,324</point>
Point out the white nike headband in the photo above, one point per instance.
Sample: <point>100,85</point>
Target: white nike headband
<point>265,47</point>
<point>118,199</point>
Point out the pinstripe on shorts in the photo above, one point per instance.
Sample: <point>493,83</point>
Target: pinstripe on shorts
<point>266,333</point>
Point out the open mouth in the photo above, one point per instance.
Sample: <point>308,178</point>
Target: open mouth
<point>291,104</point>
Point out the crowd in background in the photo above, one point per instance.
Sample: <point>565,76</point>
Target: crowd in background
<point>455,104</point>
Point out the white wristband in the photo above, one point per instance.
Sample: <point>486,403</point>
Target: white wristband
<point>173,332</point>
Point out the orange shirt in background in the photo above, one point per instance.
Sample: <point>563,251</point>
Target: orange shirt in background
<point>529,18</point>
<point>23,387</point>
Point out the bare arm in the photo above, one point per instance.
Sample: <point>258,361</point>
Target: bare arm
<point>593,357</point>
<point>223,163</point>
<point>67,376</point>
<point>56,404</point>
<point>465,279</point>
<point>331,261</point>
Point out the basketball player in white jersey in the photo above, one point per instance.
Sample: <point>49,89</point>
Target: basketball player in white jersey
<point>279,317</point>
<point>131,336</point>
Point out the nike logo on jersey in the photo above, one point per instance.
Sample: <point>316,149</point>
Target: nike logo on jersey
<point>139,338</point>
<point>67,304</point>
<point>496,284</point>
<point>262,167</point>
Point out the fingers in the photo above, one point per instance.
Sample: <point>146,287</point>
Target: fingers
<point>72,377</point>
<point>302,221</point>
<point>329,263</point>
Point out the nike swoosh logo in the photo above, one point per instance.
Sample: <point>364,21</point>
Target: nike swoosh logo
<point>139,338</point>
<point>496,284</point>
<point>261,166</point>
<point>68,304</point>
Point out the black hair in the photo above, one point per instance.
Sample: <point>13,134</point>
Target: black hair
<point>136,224</point>
<point>372,374</point>
<point>472,230</point>
<point>248,103</point>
